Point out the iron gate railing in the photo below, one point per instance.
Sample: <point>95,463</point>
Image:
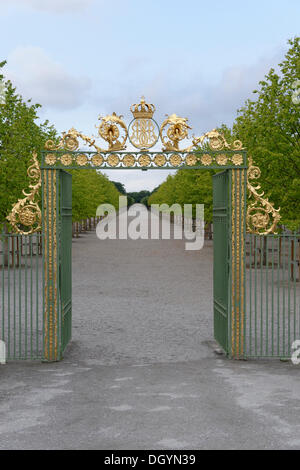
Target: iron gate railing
<point>272,295</point>
<point>21,319</point>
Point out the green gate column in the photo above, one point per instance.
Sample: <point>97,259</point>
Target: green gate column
<point>50,254</point>
<point>238,192</point>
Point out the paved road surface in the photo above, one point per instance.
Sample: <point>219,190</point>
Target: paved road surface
<point>141,371</point>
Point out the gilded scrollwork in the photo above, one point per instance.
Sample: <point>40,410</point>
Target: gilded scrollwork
<point>142,134</point>
<point>261,218</point>
<point>216,141</point>
<point>175,129</point>
<point>110,130</point>
<point>69,141</point>
<point>26,216</point>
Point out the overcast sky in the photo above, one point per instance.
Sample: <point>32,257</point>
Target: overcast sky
<point>198,59</point>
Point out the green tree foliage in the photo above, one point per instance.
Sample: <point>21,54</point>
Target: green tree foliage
<point>120,187</point>
<point>269,127</point>
<point>139,195</point>
<point>19,136</point>
<point>90,189</point>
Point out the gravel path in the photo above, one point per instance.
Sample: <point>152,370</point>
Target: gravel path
<point>142,301</point>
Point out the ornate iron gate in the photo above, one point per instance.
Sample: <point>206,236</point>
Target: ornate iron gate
<point>222,271</point>
<point>65,257</point>
<point>209,151</point>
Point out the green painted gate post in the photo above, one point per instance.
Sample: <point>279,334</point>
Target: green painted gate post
<point>237,262</point>
<point>57,262</point>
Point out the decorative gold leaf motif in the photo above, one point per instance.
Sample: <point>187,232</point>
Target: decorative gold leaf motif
<point>159,160</point>
<point>81,160</point>
<point>191,160</point>
<point>176,129</point>
<point>113,160</point>
<point>175,159</point>
<point>50,159</point>
<point>216,141</point>
<point>26,212</point>
<point>69,141</point>
<point>143,135</point>
<point>237,159</point>
<point>144,160</point>
<point>109,129</point>
<point>221,159</point>
<point>206,159</point>
<point>262,218</point>
<point>97,160</point>
<point>128,160</point>
<point>66,159</point>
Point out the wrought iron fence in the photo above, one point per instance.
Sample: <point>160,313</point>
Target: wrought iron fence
<point>272,295</point>
<point>21,319</point>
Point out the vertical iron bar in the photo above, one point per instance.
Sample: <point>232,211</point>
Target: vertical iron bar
<point>3,242</point>
<point>289,240</point>
<point>267,294</point>
<point>20,298</point>
<point>8,295</point>
<point>278,293</point>
<point>250,293</point>
<point>283,297</point>
<point>272,302</point>
<point>261,292</point>
<point>26,298</point>
<point>31,299</point>
<point>37,298</point>
<point>255,291</point>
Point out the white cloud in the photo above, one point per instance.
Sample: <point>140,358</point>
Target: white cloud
<point>188,94</point>
<point>47,82</point>
<point>51,6</point>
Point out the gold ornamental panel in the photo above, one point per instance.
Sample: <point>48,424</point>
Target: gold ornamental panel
<point>113,160</point>
<point>191,160</point>
<point>66,159</point>
<point>237,159</point>
<point>206,159</point>
<point>97,160</point>
<point>175,159</point>
<point>50,159</point>
<point>143,133</point>
<point>222,159</point>
<point>128,160</point>
<point>144,160</point>
<point>82,160</point>
<point>160,160</point>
